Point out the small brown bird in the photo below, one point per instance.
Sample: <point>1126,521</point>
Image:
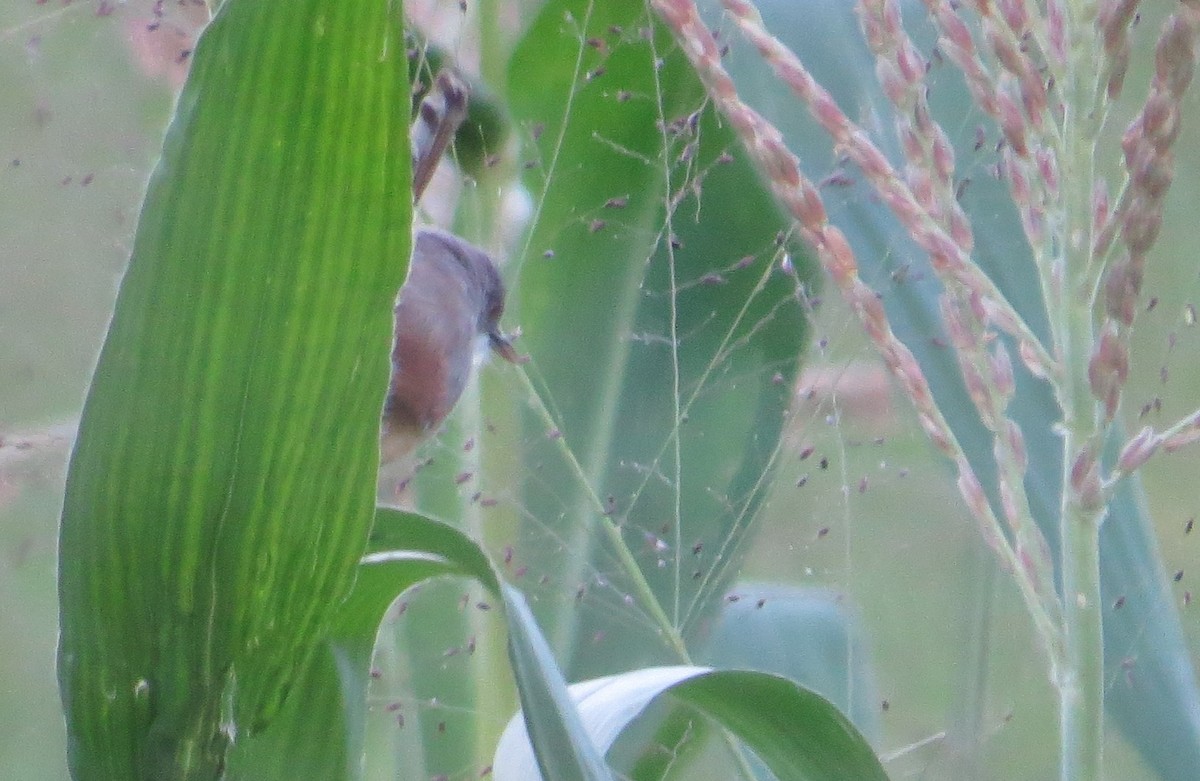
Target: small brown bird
<point>449,307</point>
<point>451,303</point>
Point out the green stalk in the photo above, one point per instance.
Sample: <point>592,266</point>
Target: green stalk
<point>1080,681</point>
<point>1081,684</point>
<point>491,676</point>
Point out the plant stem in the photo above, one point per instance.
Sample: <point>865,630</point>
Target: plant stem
<point>492,45</point>
<point>1081,683</point>
<point>1080,680</point>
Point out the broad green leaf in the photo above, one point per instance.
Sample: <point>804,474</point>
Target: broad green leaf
<point>806,635</point>
<point>1161,713</point>
<point>399,534</point>
<point>795,732</point>
<point>222,485</point>
<point>803,634</point>
<point>656,306</point>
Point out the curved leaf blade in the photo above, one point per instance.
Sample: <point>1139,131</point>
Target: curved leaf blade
<point>807,635</point>
<point>320,735</point>
<point>797,733</point>
<point>564,749</point>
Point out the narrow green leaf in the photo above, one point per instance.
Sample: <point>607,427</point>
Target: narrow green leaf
<point>563,747</point>
<point>398,531</point>
<point>797,733</point>
<point>321,733</point>
<point>222,485</point>
<point>322,736</point>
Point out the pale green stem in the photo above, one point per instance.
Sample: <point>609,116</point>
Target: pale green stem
<point>493,702</point>
<point>1080,681</point>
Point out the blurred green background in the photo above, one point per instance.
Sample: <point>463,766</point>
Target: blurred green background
<point>85,92</point>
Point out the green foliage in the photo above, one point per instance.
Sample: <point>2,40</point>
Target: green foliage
<point>803,635</point>
<point>798,735</point>
<point>218,613</point>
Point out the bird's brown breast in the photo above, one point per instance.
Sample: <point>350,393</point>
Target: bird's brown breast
<point>437,321</point>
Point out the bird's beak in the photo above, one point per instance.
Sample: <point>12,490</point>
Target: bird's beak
<point>504,347</point>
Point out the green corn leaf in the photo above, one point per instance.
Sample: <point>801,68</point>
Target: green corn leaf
<point>806,635</point>
<point>222,485</point>
<point>797,733</point>
<point>564,748</point>
<point>321,733</point>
